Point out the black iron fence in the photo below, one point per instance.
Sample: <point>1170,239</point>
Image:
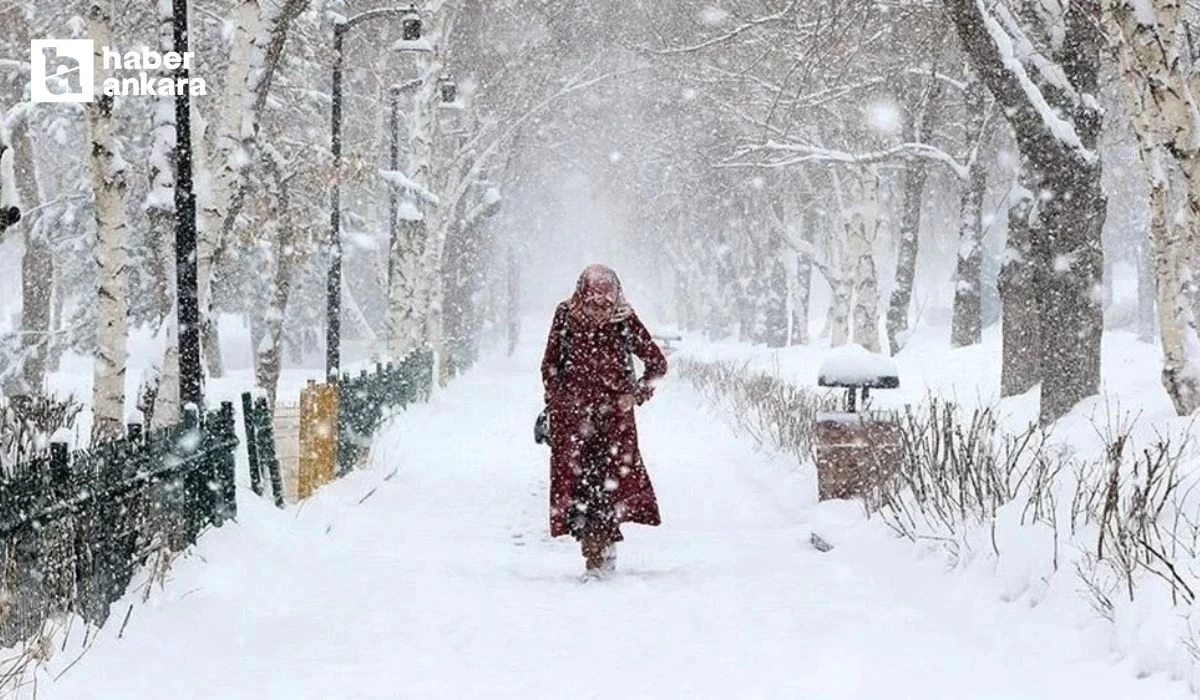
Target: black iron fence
<point>75,526</point>
<point>260,446</point>
<point>362,401</point>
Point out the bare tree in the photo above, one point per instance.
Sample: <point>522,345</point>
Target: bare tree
<point>108,183</point>
<point>1159,87</point>
<point>967,324</point>
<point>1051,104</point>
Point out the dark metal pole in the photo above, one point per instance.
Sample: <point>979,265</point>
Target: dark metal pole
<point>191,378</point>
<point>394,196</point>
<point>333,290</point>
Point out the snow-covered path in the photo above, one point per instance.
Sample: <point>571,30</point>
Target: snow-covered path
<point>442,583</point>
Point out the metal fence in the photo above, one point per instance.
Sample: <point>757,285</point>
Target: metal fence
<point>361,403</point>
<point>75,526</point>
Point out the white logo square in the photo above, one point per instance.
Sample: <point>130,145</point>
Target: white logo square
<point>61,70</point>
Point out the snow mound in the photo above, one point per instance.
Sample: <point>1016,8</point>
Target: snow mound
<point>854,365</point>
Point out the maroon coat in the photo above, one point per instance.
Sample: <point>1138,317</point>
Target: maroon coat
<point>583,409</point>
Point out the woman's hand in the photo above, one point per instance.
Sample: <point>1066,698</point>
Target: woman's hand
<point>642,393</point>
<point>626,402</point>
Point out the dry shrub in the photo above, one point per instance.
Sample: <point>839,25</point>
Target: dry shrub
<point>1145,520</point>
<point>769,410</point>
<point>956,468</point>
<point>1133,517</point>
<point>27,424</point>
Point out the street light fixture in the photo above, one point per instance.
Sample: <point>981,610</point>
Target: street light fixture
<point>411,24</point>
<point>449,90</point>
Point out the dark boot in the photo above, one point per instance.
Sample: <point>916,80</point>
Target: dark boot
<point>593,552</point>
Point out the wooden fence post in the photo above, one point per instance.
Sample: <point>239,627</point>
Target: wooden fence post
<point>318,438</point>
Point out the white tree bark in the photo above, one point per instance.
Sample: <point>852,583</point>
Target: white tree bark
<point>966,327</point>
<point>166,402</point>
<point>108,184</point>
<point>837,322</point>
<point>160,205</point>
<point>412,319</point>
<point>863,232</point>
<point>261,35</point>
<point>1160,94</point>
<point>228,157</point>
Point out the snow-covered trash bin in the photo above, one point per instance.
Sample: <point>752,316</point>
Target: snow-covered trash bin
<point>855,449</point>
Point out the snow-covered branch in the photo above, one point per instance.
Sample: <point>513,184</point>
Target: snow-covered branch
<point>808,154</point>
<point>729,35</point>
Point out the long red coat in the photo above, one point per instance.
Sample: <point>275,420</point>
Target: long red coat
<point>583,407</point>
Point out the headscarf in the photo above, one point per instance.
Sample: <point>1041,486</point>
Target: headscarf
<point>599,287</point>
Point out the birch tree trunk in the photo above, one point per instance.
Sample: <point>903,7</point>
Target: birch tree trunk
<point>803,291</point>
<point>266,29</point>
<point>37,265</point>
<point>916,172</point>
<point>413,289</point>
<point>864,229</point>
<point>1174,247</point>
<point>225,170</point>
<point>108,183</point>
<point>777,314</point>
<point>269,353</point>
<point>160,210</point>
<point>160,197</point>
<point>838,321</point>
<point>1160,94</point>
<point>967,324</point>
<point>167,402</point>
<point>1146,291</point>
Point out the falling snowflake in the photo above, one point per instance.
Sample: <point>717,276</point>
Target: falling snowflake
<point>885,117</point>
<point>712,16</point>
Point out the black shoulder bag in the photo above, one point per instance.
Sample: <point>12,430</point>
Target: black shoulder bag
<point>541,426</point>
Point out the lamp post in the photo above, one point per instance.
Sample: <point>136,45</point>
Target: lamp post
<point>410,32</point>
<point>191,388</point>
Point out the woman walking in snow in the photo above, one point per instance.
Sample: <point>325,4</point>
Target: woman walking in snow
<point>597,478</point>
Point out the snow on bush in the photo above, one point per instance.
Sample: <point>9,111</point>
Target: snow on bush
<point>1117,533</point>
<point>28,423</point>
<point>772,412</point>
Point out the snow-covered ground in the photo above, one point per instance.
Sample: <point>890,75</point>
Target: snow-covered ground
<point>430,575</point>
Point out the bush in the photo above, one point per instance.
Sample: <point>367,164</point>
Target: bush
<point>1126,522</point>
<point>27,424</point>
<point>770,411</point>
